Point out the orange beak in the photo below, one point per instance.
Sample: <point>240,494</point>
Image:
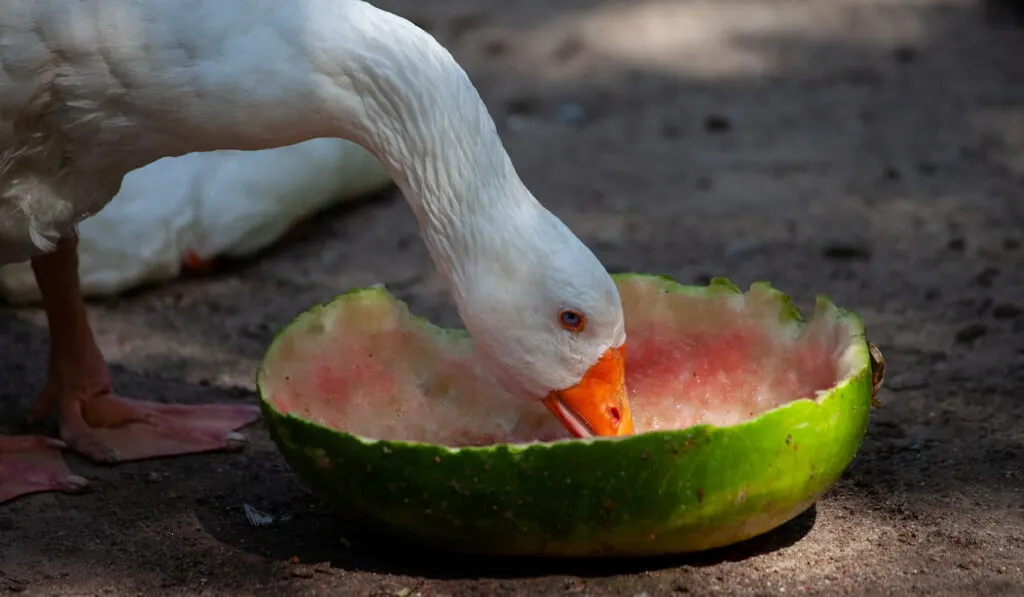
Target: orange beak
<point>598,404</point>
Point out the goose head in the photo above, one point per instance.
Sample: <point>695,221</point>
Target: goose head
<point>547,320</point>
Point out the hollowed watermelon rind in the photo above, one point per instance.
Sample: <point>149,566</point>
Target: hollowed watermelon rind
<point>655,493</point>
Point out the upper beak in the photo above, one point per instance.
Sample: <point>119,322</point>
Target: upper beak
<point>598,404</point>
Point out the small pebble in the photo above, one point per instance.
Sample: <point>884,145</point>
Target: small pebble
<point>568,49</point>
<point>904,54</point>
<point>847,252</point>
<point>494,47</point>
<point>716,123</point>
<point>323,568</point>
<point>1006,311</point>
<point>968,334</point>
<point>987,277</point>
<point>521,105</point>
<point>739,247</point>
<point>573,114</point>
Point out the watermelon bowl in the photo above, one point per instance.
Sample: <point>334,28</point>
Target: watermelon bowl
<point>745,414</point>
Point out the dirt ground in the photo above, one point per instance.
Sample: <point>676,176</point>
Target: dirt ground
<point>870,150</point>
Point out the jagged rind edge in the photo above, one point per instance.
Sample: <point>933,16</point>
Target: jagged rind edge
<point>654,493</point>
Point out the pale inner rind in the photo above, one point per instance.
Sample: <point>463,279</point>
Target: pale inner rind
<point>367,367</point>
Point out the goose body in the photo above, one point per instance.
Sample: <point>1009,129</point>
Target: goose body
<point>189,210</point>
<point>93,89</point>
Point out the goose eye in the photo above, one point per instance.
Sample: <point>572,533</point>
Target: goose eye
<point>572,320</point>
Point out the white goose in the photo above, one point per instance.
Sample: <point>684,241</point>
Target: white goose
<point>185,212</point>
<point>92,89</point>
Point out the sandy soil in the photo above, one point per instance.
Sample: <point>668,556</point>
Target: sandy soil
<point>871,150</point>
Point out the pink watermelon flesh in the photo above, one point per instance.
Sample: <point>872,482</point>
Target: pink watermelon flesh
<point>371,369</point>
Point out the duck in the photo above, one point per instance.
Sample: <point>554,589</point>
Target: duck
<point>91,90</point>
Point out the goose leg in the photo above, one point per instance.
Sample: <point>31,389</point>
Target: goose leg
<point>31,464</point>
<point>95,421</point>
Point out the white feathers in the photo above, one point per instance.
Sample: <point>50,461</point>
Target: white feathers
<point>205,205</point>
<point>127,82</point>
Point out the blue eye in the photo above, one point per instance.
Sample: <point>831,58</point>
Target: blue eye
<point>572,320</point>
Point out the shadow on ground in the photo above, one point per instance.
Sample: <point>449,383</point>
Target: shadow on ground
<point>315,536</point>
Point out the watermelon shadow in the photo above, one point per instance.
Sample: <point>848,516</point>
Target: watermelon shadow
<point>387,555</point>
<point>316,535</point>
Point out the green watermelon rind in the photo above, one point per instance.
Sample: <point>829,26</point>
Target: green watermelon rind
<point>654,493</point>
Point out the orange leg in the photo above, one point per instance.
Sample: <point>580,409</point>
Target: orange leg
<point>95,421</point>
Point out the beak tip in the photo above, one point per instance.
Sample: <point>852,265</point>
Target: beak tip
<point>598,405</point>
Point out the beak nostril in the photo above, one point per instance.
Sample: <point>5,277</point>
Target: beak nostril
<point>615,414</point>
